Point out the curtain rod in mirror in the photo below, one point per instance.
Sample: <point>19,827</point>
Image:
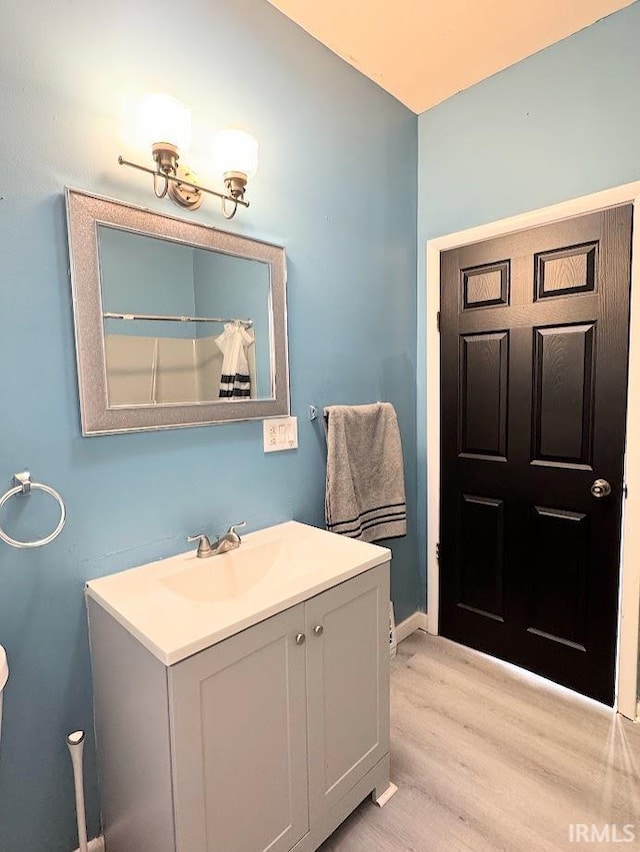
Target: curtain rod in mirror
<point>164,318</point>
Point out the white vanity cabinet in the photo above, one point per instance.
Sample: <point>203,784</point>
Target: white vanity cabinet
<point>266,740</point>
<point>243,712</point>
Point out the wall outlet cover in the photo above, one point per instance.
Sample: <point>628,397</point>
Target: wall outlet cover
<point>280,433</point>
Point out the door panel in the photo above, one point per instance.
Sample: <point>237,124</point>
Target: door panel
<point>486,285</point>
<point>558,578</point>
<point>482,562</point>
<point>533,386</point>
<point>483,381</point>
<point>563,394</point>
<point>566,270</point>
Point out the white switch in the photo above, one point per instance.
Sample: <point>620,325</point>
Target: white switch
<point>280,433</point>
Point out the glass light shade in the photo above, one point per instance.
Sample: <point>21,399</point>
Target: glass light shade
<point>235,151</point>
<point>162,118</point>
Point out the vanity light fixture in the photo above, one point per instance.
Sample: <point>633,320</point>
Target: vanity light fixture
<point>164,125</point>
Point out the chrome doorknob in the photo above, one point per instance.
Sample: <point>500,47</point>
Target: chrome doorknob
<point>600,488</point>
<point>318,630</point>
<point>300,637</point>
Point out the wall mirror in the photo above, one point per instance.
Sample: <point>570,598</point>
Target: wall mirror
<point>176,323</point>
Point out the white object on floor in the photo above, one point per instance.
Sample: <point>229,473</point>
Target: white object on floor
<point>75,741</point>
<point>382,800</point>
<point>95,845</point>
<point>4,674</point>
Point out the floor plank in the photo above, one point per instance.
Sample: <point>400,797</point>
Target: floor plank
<point>488,757</point>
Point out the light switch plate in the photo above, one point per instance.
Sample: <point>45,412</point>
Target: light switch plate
<point>280,433</point>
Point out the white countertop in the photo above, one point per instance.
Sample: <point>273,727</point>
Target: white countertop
<point>182,605</point>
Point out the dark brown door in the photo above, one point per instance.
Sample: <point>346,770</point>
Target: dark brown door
<point>534,347</point>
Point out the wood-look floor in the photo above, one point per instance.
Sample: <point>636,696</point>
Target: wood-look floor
<point>489,758</point>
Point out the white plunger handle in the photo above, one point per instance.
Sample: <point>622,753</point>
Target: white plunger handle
<point>75,741</point>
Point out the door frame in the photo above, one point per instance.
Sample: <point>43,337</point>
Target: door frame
<point>626,701</point>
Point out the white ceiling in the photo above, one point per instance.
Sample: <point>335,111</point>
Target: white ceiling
<point>423,51</point>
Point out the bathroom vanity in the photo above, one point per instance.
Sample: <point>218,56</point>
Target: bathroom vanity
<point>242,701</point>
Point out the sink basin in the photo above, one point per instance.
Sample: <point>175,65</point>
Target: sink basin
<point>241,572</point>
<point>226,576</point>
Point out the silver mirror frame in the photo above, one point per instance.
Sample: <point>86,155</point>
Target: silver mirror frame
<point>84,213</point>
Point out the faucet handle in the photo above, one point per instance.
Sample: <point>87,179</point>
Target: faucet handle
<point>232,529</point>
<point>204,545</point>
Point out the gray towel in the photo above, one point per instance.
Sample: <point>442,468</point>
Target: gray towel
<point>365,496</point>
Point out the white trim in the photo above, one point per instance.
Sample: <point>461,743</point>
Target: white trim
<point>417,621</point>
<point>629,621</point>
<point>627,669</point>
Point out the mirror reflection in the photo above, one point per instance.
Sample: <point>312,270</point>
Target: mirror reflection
<point>176,323</point>
<point>182,324</point>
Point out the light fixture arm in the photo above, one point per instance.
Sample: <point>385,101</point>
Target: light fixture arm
<point>170,178</point>
<point>165,188</point>
<point>225,213</point>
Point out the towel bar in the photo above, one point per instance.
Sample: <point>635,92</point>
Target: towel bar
<point>313,411</point>
<point>24,485</point>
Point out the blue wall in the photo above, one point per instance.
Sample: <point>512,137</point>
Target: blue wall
<point>337,186</point>
<point>563,123</point>
<point>143,275</point>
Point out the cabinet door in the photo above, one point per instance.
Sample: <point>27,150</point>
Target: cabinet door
<point>347,685</point>
<point>238,717</point>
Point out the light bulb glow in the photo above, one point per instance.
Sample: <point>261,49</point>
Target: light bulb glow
<point>162,118</point>
<point>235,151</point>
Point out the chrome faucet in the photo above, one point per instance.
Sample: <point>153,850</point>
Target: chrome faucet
<point>229,541</point>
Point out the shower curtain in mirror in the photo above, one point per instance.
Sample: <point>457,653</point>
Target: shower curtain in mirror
<point>235,381</point>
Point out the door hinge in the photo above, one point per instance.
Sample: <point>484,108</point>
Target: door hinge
<point>625,491</point>
<point>438,551</point>
<point>438,320</point>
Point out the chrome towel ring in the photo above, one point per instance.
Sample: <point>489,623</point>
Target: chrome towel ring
<point>23,485</point>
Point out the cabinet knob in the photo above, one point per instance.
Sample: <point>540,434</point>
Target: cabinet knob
<point>318,630</point>
<point>300,637</point>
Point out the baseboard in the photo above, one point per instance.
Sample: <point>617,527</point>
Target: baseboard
<point>95,845</point>
<point>417,621</point>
